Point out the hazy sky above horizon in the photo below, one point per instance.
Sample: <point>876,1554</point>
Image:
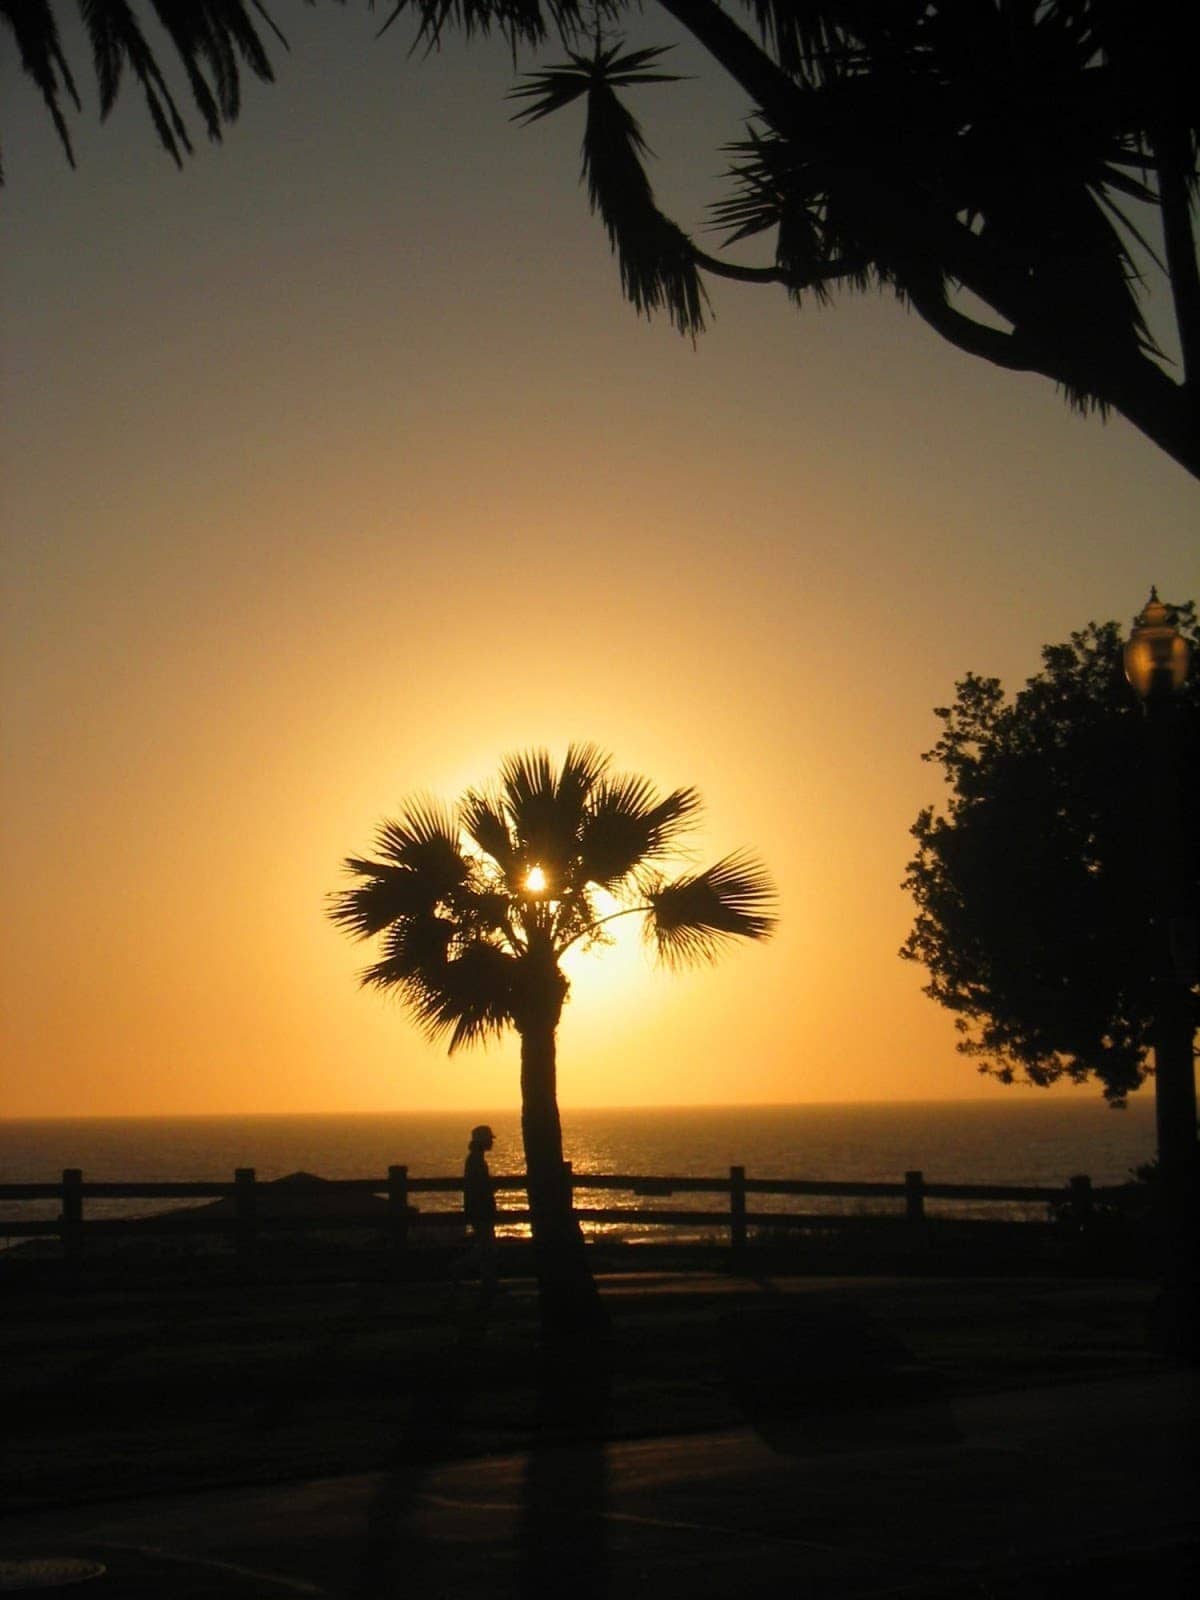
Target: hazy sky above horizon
<point>335,468</point>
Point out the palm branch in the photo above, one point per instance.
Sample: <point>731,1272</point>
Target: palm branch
<point>544,809</point>
<point>692,918</point>
<point>627,825</point>
<point>470,994</point>
<point>213,40</point>
<point>421,867</point>
<point>656,259</point>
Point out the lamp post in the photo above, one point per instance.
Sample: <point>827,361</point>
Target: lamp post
<point>1156,664</point>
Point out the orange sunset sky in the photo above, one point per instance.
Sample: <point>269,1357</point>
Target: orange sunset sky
<point>335,468</point>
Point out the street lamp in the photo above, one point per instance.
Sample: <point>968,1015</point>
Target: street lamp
<point>1156,664</point>
<point>1156,653</point>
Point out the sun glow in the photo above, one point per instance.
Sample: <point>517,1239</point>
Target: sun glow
<point>535,881</point>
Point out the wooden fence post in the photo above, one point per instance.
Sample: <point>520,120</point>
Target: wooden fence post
<point>1081,1200</point>
<point>244,1211</point>
<point>72,1217</point>
<point>398,1206</point>
<point>737,1212</point>
<point>914,1206</point>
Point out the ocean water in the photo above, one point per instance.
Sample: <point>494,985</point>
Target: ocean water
<point>1027,1139</point>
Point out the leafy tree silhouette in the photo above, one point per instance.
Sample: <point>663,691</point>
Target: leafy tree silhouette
<point>476,907</point>
<point>1033,894</point>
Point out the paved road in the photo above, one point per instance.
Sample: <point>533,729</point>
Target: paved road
<point>1086,1488</point>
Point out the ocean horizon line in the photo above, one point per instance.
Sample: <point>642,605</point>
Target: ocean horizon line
<point>1033,1097</point>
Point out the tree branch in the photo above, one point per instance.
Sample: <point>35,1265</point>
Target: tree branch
<point>1163,410</point>
<point>731,269</point>
<point>790,280</point>
<point>627,911</point>
<point>976,338</point>
<point>1137,387</point>
<point>746,62</point>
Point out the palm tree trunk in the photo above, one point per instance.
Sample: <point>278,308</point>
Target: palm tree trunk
<point>570,1303</point>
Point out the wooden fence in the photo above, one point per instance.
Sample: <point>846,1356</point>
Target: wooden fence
<point>255,1210</point>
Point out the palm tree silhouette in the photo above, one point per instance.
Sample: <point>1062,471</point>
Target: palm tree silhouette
<point>476,907</point>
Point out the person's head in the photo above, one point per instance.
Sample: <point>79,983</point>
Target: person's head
<point>482,1137</point>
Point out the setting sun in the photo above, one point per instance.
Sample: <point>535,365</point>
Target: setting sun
<point>535,880</point>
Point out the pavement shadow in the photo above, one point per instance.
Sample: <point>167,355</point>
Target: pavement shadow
<point>814,1376</point>
<point>559,1544</point>
<point>563,1534</point>
<point>396,1557</point>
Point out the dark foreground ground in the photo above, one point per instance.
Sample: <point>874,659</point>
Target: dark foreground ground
<point>775,1435</point>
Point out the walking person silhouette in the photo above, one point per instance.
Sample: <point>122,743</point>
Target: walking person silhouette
<point>479,1209</point>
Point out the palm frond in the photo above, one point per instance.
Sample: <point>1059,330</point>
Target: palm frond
<point>692,918</point>
<point>628,825</point>
<point>810,40</point>
<point>422,867</point>
<point>208,36</point>
<point>36,32</point>
<point>483,820</point>
<point>545,808</point>
<point>415,950</point>
<point>470,995</point>
<point>527,778</point>
<point>518,21</point>
<point>213,40</point>
<point>425,839</point>
<point>555,87</point>
<point>552,89</point>
<point>583,767</point>
<point>388,895</point>
<point>208,39</point>
<point>657,264</point>
<point>776,187</point>
<point>656,260</point>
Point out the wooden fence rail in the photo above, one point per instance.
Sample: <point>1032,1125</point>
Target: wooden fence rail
<point>255,1208</point>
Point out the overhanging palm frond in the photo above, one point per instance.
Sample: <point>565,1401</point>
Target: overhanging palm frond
<point>208,38</point>
<point>778,188</point>
<point>518,21</point>
<point>657,263</point>
<point>552,89</point>
<point>693,917</point>
<point>656,260</point>
<point>213,39</point>
<point>36,32</point>
<point>811,39</point>
<point>555,87</point>
<point>627,824</point>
